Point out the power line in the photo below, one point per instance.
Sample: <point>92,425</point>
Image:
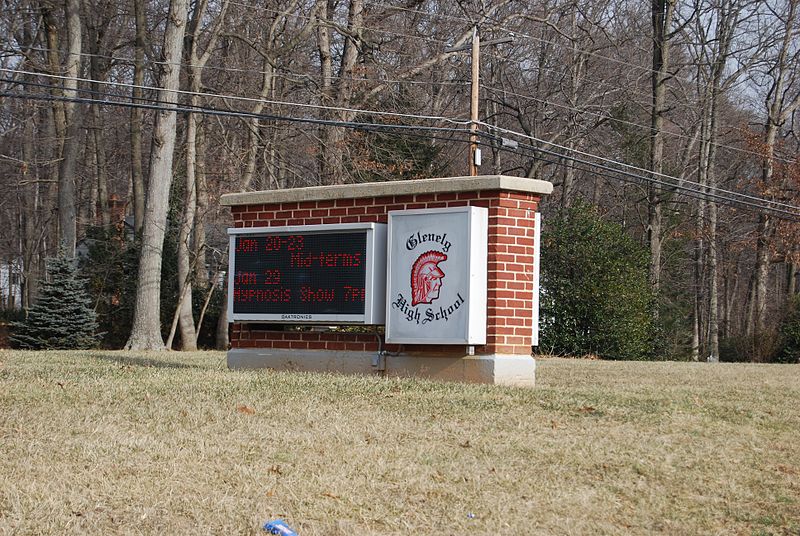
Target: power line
<point>283,72</point>
<point>516,33</point>
<point>230,113</point>
<point>357,79</point>
<point>236,98</point>
<point>354,110</point>
<point>389,81</point>
<point>615,174</point>
<point>623,121</point>
<point>373,112</point>
<point>622,164</point>
<point>689,188</point>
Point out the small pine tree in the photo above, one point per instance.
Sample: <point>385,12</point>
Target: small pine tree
<point>63,317</point>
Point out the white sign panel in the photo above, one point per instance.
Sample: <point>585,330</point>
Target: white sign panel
<point>436,287</point>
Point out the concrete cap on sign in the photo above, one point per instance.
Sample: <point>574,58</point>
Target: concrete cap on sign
<point>381,189</point>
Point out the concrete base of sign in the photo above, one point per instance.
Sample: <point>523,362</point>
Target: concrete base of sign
<point>498,369</point>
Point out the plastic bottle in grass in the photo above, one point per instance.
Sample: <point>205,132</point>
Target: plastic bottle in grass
<point>279,527</point>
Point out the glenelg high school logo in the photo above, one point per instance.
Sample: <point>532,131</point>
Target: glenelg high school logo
<point>426,277</point>
<point>436,285</point>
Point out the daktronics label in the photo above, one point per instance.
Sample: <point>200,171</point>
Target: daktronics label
<point>300,275</point>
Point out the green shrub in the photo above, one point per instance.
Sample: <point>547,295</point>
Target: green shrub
<point>790,334</point>
<point>764,347</point>
<point>596,298</point>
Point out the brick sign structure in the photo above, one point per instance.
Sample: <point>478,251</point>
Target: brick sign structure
<point>505,358</point>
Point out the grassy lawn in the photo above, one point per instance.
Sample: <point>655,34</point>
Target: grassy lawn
<point>112,442</point>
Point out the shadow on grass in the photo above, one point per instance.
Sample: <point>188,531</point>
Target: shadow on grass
<point>133,361</point>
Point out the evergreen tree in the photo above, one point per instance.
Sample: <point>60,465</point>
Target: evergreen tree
<point>110,269</point>
<point>63,317</point>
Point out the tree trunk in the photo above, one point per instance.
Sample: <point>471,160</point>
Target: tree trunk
<point>102,166</point>
<point>731,297</point>
<point>325,8</point>
<point>67,208</point>
<point>222,322</point>
<point>195,72</point>
<point>137,173</point>
<point>713,275</point>
<point>185,314</point>
<point>201,215</point>
<point>333,145</point>
<point>53,46</point>
<point>757,313</point>
<point>49,198</point>
<point>577,61</point>
<point>146,330</point>
<point>67,213</point>
<point>56,125</point>
<point>697,309</point>
<point>254,125</point>
<point>662,13</point>
<point>97,24</point>
<point>29,206</point>
<point>777,113</point>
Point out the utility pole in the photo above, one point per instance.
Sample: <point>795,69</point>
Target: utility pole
<point>473,110</point>
<point>474,152</point>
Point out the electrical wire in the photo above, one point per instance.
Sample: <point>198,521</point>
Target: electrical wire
<point>631,168</point>
<point>282,73</point>
<point>377,80</point>
<point>624,122</point>
<point>671,184</point>
<point>357,110</point>
<point>237,98</point>
<point>617,175</point>
<point>688,188</point>
<point>515,33</point>
<point>230,113</point>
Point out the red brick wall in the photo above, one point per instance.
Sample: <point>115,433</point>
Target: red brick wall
<point>510,275</point>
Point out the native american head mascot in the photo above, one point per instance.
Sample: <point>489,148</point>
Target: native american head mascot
<point>426,277</point>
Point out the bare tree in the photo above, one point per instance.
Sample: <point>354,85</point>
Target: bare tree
<point>146,330</point>
<point>779,107</point>
<point>137,117</point>
<point>67,214</point>
<point>715,30</point>
<point>197,60</point>
<point>663,16</point>
<point>100,46</point>
<point>654,86</point>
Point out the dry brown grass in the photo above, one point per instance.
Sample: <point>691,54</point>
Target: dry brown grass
<point>110,443</point>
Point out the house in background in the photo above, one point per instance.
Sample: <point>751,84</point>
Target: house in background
<point>10,284</point>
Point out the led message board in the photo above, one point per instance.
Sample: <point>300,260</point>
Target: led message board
<point>308,274</point>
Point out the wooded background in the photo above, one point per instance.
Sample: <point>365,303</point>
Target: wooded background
<point>676,119</point>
